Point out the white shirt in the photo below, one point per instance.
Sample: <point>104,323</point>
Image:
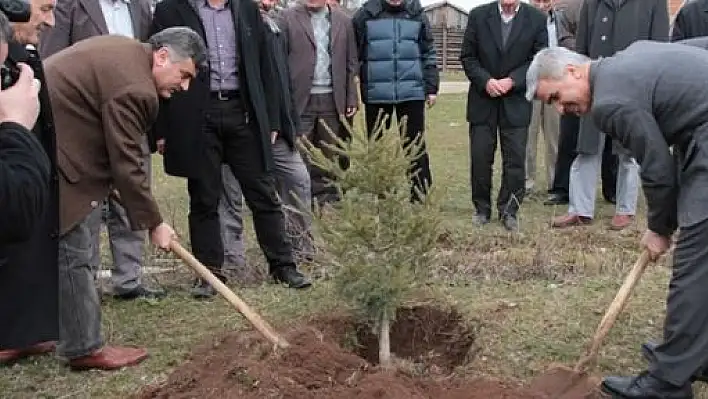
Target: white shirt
<point>117,16</point>
<point>552,33</point>
<point>507,18</point>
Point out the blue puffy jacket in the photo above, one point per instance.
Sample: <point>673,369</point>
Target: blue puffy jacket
<point>397,53</point>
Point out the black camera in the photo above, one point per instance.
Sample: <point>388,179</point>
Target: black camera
<point>9,73</point>
<point>16,11</point>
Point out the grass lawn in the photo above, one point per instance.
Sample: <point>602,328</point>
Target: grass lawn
<point>538,294</point>
<point>453,76</point>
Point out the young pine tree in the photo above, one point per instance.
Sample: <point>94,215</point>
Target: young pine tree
<point>382,243</point>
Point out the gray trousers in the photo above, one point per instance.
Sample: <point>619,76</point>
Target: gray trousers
<point>584,173</point>
<point>126,245</point>
<point>684,350</point>
<point>544,119</point>
<point>293,179</point>
<point>79,304</point>
<point>320,108</point>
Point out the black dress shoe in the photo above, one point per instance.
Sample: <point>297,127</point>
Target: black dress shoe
<point>510,223</point>
<point>648,354</point>
<point>556,199</point>
<point>290,276</point>
<point>648,351</point>
<point>141,292</point>
<point>202,290</point>
<point>644,386</point>
<point>480,219</point>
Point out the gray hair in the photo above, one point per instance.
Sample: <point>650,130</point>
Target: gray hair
<point>550,63</point>
<point>182,43</point>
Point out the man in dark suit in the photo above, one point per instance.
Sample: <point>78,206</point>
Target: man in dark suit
<point>230,114</point>
<point>500,40</point>
<point>29,276</point>
<point>652,106</point>
<point>76,20</point>
<point>691,21</point>
<point>104,92</point>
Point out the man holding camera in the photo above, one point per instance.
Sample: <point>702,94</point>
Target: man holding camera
<point>24,166</point>
<point>28,266</point>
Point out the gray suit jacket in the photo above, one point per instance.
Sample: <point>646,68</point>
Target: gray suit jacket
<point>302,57</point>
<point>648,102</point>
<point>76,20</point>
<point>567,15</point>
<point>604,29</point>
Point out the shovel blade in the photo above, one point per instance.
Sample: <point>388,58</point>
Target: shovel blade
<point>561,382</point>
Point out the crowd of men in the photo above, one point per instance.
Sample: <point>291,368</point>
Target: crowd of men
<point>224,90</point>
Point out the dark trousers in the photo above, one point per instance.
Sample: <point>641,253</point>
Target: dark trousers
<point>567,143</point>
<point>610,163</point>
<point>684,350</point>
<point>483,146</point>
<point>414,111</point>
<point>231,139</point>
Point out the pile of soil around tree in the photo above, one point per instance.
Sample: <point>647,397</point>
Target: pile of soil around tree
<point>427,342</point>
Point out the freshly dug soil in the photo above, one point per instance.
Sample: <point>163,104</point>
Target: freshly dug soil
<point>427,342</point>
<point>424,335</point>
<point>561,382</point>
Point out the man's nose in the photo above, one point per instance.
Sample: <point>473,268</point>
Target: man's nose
<point>49,20</point>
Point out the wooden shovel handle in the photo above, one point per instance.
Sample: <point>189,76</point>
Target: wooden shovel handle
<point>261,325</point>
<point>614,309</point>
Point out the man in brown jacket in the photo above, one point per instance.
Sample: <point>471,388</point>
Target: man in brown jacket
<point>104,93</point>
<point>322,57</point>
<point>76,20</point>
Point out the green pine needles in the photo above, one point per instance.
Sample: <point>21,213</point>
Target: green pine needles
<point>382,244</point>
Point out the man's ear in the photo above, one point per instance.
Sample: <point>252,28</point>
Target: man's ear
<point>161,56</point>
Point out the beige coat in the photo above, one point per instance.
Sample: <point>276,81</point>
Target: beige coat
<point>103,98</point>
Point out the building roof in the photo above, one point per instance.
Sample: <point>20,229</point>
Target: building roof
<point>444,3</point>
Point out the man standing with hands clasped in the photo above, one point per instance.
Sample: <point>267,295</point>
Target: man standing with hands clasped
<point>500,39</point>
<point>104,93</point>
<point>649,103</point>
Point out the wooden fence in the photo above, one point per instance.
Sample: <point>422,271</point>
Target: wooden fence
<point>448,44</point>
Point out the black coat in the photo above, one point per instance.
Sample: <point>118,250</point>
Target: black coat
<point>181,118</point>
<point>691,21</point>
<point>28,267</point>
<point>279,48</point>
<point>24,184</point>
<point>604,28</point>
<point>483,58</point>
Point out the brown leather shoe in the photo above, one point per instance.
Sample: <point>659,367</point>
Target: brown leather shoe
<point>12,355</point>
<point>570,220</point>
<point>619,222</point>
<point>110,358</point>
